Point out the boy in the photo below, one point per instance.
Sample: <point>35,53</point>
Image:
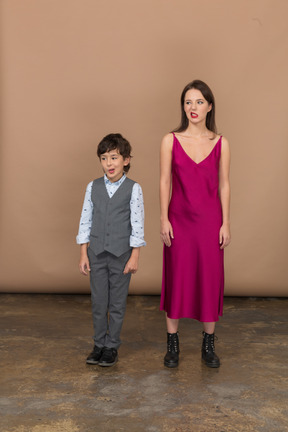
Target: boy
<point>111,232</point>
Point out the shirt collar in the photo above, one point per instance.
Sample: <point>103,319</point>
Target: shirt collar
<point>118,183</point>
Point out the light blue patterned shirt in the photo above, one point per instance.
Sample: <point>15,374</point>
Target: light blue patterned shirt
<point>136,209</point>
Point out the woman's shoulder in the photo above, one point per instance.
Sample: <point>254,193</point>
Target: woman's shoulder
<point>167,143</point>
<point>169,136</point>
<point>224,141</point>
<point>167,140</point>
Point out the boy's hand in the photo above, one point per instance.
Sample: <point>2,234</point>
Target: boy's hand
<point>132,263</point>
<point>84,265</point>
<point>131,266</point>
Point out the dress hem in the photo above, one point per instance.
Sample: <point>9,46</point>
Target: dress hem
<point>193,317</point>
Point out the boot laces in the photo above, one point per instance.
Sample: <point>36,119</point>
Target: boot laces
<point>209,342</point>
<point>173,344</point>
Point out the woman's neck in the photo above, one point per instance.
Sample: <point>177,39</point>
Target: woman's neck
<point>197,130</point>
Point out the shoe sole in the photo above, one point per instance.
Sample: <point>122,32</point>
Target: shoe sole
<point>91,362</point>
<point>108,364</point>
<point>169,365</point>
<point>211,365</point>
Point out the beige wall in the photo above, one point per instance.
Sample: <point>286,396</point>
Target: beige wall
<point>74,70</point>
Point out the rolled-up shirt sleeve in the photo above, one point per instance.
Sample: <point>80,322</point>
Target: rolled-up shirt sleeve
<point>86,218</point>
<point>137,217</point>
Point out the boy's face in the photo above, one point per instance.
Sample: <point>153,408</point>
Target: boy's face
<point>113,164</point>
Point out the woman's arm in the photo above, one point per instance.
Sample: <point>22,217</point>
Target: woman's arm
<point>224,193</point>
<point>166,230</point>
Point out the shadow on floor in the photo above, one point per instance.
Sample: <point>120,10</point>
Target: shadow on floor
<point>46,386</point>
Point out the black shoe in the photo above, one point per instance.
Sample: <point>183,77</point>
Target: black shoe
<point>94,356</point>
<point>171,358</point>
<point>109,357</point>
<point>208,351</point>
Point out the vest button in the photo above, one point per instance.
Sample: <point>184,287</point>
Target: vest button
<point>107,234</point>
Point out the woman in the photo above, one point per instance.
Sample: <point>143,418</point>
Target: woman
<point>195,224</point>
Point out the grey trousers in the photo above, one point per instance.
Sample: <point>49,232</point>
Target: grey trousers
<point>109,290</point>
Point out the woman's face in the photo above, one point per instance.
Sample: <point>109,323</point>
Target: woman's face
<point>196,106</point>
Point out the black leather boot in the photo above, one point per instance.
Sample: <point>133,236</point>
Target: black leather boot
<point>171,358</point>
<point>208,351</point>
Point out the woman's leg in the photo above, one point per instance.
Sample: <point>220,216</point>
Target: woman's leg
<point>172,325</point>
<point>209,327</point>
<point>208,348</point>
<point>171,358</point>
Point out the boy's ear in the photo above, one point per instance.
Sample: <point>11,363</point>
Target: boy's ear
<point>126,161</point>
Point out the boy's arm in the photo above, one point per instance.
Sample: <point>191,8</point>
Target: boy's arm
<point>84,264</point>
<point>86,217</point>
<point>132,263</point>
<point>83,236</point>
<point>137,228</point>
<point>137,217</point>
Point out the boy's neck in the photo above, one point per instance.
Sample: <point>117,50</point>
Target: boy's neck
<point>114,181</point>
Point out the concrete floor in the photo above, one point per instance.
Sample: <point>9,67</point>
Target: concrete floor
<point>46,386</point>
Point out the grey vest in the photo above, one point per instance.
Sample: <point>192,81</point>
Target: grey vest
<point>111,226</point>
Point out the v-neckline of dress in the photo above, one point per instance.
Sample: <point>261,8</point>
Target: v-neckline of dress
<point>198,163</point>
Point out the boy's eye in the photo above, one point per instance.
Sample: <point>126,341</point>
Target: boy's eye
<point>200,102</point>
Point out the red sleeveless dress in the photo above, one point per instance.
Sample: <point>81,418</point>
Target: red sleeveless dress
<point>193,270</point>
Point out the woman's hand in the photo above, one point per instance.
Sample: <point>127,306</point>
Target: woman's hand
<point>224,236</point>
<point>166,233</point>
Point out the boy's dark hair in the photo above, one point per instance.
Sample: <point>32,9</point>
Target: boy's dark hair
<point>115,141</point>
